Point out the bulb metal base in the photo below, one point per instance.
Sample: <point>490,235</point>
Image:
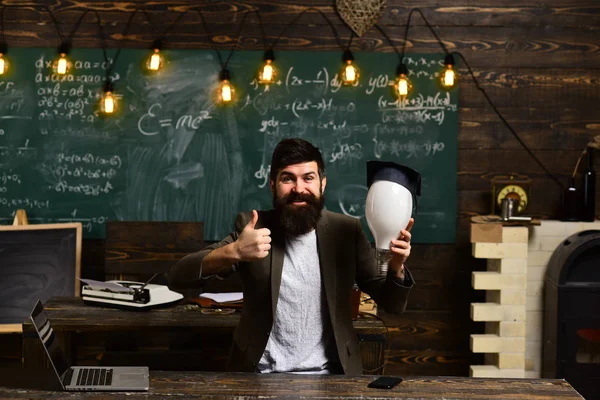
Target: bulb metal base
<point>383,258</point>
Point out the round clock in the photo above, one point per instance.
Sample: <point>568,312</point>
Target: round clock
<point>510,187</point>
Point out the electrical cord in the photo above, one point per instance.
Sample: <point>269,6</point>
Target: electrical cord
<point>391,42</point>
<point>239,33</point>
<point>164,35</point>
<point>55,21</point>
<point>440,42</point>
<point>350,41</point>
<point>221,63</point>
<point>116,57</point>
<point>505,122</point>
<point>487,97</point>
<point>335,33</point>
<point>100,29</point>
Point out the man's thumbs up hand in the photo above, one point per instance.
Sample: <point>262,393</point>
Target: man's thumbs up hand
<point>253,244</point>
<point>252,223</point>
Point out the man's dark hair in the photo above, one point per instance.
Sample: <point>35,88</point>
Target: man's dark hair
<point>295,151</point>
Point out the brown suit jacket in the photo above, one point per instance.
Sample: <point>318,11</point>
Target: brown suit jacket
<point>345,256</point>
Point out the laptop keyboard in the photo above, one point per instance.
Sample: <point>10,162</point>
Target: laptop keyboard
<point>94,377</point>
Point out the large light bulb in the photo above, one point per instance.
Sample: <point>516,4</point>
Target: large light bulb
<point>388,211</point>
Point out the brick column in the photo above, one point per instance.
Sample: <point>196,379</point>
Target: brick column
<point>504,312</point>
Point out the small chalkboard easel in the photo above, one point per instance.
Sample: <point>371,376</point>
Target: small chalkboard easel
<point>20,219</point>
<point>37,262</point>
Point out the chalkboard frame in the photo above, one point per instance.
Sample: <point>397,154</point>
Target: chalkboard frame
<point>77,226</point>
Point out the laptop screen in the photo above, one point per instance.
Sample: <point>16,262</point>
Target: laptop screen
<point>48,338</point>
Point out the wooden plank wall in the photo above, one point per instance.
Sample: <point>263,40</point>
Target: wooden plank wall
<point>538,61</point>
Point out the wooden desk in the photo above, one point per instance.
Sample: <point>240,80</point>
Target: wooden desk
<point>198,385</point>
<point>173,338</point>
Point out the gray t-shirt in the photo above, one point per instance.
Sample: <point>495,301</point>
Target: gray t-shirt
<point>302,338</point>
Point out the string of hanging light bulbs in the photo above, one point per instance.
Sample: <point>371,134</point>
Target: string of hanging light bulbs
<point>348,75</point>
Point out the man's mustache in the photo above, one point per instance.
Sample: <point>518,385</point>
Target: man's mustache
<point>293,197</point>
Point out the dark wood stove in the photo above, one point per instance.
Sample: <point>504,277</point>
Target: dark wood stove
<point>572,313</point>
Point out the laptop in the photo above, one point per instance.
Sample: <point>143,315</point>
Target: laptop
<point>74,378</point>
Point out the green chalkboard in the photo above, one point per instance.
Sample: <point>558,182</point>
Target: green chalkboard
<point>174,154</point>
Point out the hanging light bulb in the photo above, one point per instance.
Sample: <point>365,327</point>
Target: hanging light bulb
<point>108,103</point>
<point>389,204</point>
<point>266,75</point>
<point>448,76</point>
<point>225,89</point>
<point>350,73</point>
<point>3,60</point>
<point>62,65</point>
<point>402,86</point>
<point>156,60</point>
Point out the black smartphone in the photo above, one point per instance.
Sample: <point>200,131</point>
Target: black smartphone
<point>385,382</point>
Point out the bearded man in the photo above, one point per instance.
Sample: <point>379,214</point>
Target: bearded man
<point>298,264</point>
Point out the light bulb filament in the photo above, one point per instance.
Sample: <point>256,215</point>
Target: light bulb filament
<point>155,61</point>
<point>402,87</point>
<point>226,91</point>
<point>350,73</point>
<point>62,65</point>
<point>109,103</point>
<point>267,73</point>
<point>449,77</point>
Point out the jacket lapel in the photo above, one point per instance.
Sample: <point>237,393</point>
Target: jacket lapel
<point>277,254</point>
<point>327,249</point>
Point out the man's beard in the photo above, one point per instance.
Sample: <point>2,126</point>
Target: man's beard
<point>298,220</point>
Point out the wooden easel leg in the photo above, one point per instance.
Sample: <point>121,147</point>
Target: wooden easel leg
<point>20,218</point>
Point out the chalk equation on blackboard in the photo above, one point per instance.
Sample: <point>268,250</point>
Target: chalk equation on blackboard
<point>5,151</point>
<point>88,189</point>
<point>65,173</point>
<point>298,107</point>
<point>150,123</point>
<point>89,158</point>
<point>73,95</point>
<point>343,152</point>
<point>410,149</point>
<point>26,202</point>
